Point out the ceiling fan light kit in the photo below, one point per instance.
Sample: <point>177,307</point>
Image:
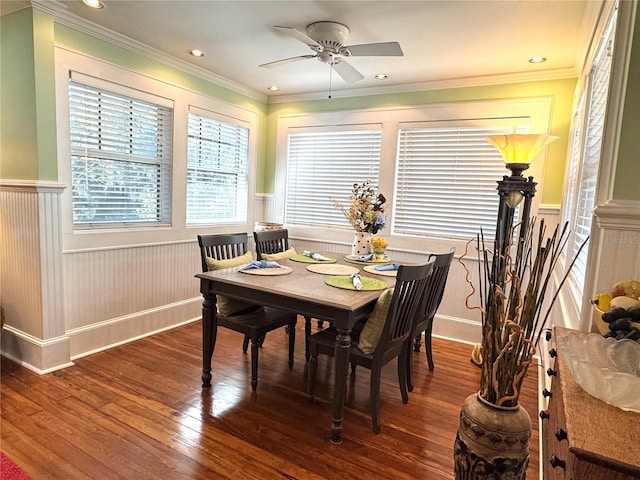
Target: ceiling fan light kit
<point>327,40</point>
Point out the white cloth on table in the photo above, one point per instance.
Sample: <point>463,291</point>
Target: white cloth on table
<point>259,264</point>
<point>315,256</point>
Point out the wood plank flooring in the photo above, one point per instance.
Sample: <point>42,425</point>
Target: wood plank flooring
<point>138,412</point>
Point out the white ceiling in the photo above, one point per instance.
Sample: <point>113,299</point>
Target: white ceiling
<point>445,42</point>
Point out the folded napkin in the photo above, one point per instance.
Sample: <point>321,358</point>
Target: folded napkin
<point>315,256</point>
<point>365,258</point>
<point>259,264</point>
<point>357,283</point>
<point>391,266</point>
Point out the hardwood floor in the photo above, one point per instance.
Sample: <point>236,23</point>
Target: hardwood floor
<point>138,412</point>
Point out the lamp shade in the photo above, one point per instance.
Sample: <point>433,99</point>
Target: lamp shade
<point>520,148</point>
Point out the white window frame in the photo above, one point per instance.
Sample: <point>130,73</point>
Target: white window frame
<point>239,149</point>
<point>576,311</point>
<point>183,99</point>
<point>537,109</point>
<point>330,185</point>
<point>94,152</point>
<point>425,158</point>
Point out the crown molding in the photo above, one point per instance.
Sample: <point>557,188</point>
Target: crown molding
<point>73,21</point>
<point>557,74</point>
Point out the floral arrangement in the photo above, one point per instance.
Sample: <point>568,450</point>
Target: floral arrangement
<point>512,291</point>
<point>366,213</point>
<point>379,244</point>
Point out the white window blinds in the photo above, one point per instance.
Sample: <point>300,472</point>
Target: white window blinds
<point>446,180</point>
<point>121,156</point>
<point>324,165</point>
<point>217,165</point>
<point>587,173</point>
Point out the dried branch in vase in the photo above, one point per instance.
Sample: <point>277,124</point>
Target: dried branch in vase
<point>512,292</point>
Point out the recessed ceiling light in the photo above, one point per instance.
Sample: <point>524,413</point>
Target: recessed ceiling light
<point>93,3</point>
<point>381,76</point>
<point>537,59</point>
<point>195,52</point>
<point>273,88</point>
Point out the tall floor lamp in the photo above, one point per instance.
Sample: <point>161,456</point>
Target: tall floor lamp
<point>518,151</point>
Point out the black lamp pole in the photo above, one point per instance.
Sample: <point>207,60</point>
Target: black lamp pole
<point>513,190</point>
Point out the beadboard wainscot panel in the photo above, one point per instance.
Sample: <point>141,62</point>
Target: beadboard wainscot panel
<point>264,208</point>
<point>116,295</point>
<point>550,214</point>
<point>31,265</point>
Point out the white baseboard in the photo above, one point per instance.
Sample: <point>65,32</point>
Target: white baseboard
<point>39,356</point>
<point>118,331</point>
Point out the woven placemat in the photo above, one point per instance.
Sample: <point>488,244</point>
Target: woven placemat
<point>346,283</point>
<point>281,270</point>
<point>352,259</point>
<point>334,269</point>
<point>385,273</point>
<point>304,259</point>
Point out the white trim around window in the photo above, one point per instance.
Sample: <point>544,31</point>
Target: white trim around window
<point>123,81</point>
<point>537,110</point>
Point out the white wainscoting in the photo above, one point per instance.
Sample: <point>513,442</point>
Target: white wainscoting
<point>63,305</point>
<point>31,265</point>
<point>116,295</point>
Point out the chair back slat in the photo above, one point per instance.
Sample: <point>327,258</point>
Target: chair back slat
<point>407,295</point>
<point>222,246</point>
<point>271,241</point>
<point>434,290</point>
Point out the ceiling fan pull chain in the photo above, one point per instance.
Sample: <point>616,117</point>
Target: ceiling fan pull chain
<point>330,76</point>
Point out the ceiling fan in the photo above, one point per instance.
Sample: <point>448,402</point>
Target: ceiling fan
<point>327,40</point>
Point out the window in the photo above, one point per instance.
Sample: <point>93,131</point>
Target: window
<point>217,163</point>
<point>120,158</point>
<point>323,165</point>
<point>414,155</point>
<point>585,156</point>
<point>441,170</point>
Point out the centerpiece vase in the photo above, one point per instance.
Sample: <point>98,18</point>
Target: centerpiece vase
<point>492,441</point>
<point>361,244</point>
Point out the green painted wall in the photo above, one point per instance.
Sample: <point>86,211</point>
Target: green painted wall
<point>627,176</point>
<point>561,91</point>
<point>18,129</point>
<point>28,111</point>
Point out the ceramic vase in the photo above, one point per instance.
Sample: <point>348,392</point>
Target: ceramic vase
<point>361,244</point>
<point>492,441</point>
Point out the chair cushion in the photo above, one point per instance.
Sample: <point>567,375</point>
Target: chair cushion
<point>230,306</point>
<point>280,255</point>
<point>214,264</point>
<point>372,329</point>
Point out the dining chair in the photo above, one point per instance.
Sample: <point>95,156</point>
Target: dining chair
<point>384,336</point>
<point>427,310</point>
<point>274,242</point>
<point>253,321</point>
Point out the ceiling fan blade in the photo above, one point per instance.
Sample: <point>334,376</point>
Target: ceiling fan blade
<point>297,34</point>
<point>284,61</point>
<point>385,49</point>
<point>347,71</point>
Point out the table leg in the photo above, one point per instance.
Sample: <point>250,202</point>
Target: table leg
<point>343,343</point>
<point>209,331</point>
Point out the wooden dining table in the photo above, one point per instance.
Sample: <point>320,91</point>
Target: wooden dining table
<point>302,292</point>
